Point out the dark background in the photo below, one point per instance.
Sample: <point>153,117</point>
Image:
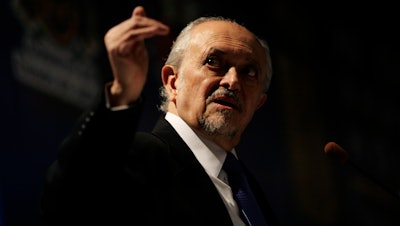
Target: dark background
<point>336,77</point>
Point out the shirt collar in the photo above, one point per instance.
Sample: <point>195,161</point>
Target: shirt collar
<point>210,155</point>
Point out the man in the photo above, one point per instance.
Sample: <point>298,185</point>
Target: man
<point>214,79</point>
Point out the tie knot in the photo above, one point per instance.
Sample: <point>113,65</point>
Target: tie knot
<point>232,165</point>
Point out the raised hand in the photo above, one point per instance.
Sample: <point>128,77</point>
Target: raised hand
<point>128,55</point>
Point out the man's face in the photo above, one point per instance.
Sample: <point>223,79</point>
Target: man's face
<point>220,83</point>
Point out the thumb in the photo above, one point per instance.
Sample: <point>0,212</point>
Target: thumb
<point>139,11</point>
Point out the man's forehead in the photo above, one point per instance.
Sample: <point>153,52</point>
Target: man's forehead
<point>222,32</point>
<point>224,40</point>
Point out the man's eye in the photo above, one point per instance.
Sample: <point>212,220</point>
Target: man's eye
<point>213,61</point>
<point>250,72</point>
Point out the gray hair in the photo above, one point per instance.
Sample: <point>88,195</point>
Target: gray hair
<point>179,47</point>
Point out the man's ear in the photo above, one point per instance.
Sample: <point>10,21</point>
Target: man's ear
<point>169,77</point>
<point>262,100</point>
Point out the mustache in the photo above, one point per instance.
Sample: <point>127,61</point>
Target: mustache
<point>226,94</point>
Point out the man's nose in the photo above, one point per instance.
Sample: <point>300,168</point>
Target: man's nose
<point>231,79</point>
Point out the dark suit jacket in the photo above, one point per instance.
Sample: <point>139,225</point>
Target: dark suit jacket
<point>107,173</point>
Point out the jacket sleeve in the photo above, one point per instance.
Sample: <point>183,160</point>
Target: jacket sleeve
<point>86,165</point>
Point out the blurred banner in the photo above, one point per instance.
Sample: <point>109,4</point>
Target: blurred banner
<point>58,51</point>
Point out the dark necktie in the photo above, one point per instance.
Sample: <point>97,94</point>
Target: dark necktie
<point>251,213</point>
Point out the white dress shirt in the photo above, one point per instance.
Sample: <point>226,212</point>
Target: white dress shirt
<point>211,157</point>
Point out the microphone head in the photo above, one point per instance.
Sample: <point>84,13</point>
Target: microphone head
<point>336,152</point>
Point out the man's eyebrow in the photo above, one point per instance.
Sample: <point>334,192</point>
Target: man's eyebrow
<point>216,51</point>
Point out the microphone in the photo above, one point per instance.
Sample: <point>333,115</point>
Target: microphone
<point>337,153</point>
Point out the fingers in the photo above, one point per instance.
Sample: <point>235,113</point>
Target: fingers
<point>145,25</point>
<point>133,31</point>
<point>138,11</point>
<point>134,37</point>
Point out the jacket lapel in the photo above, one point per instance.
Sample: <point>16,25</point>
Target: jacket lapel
<point>193,192</point>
